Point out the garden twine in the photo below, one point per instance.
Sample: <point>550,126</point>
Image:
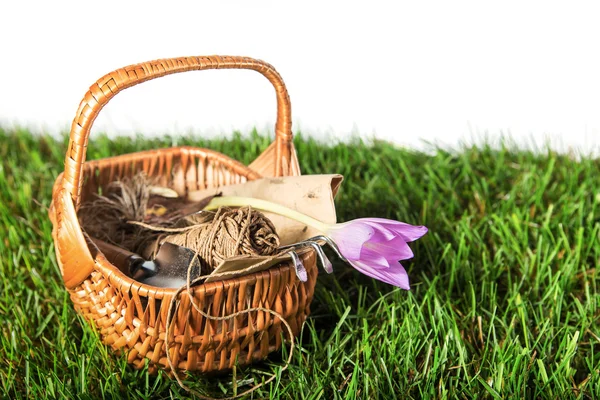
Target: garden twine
<point>221,235</point>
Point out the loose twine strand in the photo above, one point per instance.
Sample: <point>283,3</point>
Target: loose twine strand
<point>231,231</point>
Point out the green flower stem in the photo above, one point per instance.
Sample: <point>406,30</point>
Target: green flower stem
<point>264,205</point>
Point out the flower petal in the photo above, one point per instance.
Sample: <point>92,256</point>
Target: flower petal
<point>408,232</point>
<point>373,258</point>
<point>350,237</point>
<point>392,250</point>
<point>381,230</point>
<point>394,275</point>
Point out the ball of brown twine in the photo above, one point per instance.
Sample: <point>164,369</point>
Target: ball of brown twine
<point>226,233</point>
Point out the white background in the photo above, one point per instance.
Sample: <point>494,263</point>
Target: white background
<point>443,72</point>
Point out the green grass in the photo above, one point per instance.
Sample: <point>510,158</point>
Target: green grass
<point>504,299</point>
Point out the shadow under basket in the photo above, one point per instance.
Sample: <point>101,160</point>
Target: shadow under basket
<point>131,316</point>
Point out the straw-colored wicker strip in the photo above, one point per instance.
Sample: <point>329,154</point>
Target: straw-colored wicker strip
<point>132,316</point>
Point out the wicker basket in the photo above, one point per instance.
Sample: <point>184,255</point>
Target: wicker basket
<point>131,316</point>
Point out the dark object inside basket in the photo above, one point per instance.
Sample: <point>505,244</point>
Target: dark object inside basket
<point>168,269</point>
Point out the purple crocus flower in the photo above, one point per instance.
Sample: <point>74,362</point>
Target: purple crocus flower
<point>374,246</point>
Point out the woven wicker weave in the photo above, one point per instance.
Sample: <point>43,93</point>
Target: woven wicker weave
<point>131,316</point>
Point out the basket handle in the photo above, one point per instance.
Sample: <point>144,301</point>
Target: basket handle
<point>282,150</point>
